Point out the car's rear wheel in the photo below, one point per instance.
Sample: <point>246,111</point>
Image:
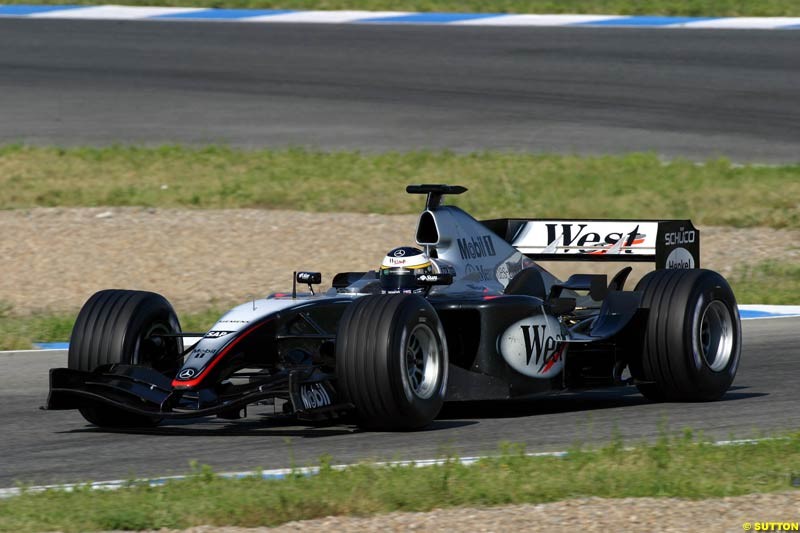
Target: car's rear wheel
<point>121,326</point>
<point>692,343</point>
<point>391,361</point>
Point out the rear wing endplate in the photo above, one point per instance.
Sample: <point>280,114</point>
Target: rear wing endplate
<point>667,243</point>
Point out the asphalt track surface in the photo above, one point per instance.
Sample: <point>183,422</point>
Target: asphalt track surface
<point>58,446</point>
<point>680,93</point>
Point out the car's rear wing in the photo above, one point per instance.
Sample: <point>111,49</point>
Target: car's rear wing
<point>667,243</point>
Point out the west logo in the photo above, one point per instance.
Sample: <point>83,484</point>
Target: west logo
<point>476,247</point>
<point>534,346</point>
<point>571,237</point>
<point>540,344</point>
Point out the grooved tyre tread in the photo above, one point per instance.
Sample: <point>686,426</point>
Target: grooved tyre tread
<point>111,328</point>
<point>673,364</point>
<point>371,357</point>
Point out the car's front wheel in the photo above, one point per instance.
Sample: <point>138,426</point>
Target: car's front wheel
<point>391,361</point>
<point>121,326</point>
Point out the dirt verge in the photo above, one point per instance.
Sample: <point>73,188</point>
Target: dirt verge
<point>633,515</point>
<point>53,259</point>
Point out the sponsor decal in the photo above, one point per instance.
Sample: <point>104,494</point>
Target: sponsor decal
<point>311,278</point>
<point>396,261</point>
<point>484,274</point>
<point>399,253</point>
<point>217,334</point>
<point>597,238</point>
<point>681,236</point>
<point>510,268</point>
<point>187,373</point>
<point>404,291</point>
<point>502,274</point>
<point>435,279</point>
<point>476,247</point>
<point>680,258</point>
<point>314,396</point>
<point>199,353</point>
<point>233,322</point>
<point>577,235</point>
<point>535,346</point>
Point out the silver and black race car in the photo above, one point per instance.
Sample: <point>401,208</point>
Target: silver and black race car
<point>468,316</point>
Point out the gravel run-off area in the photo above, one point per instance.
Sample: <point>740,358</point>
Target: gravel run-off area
<point>628,515</point>
<point>53,259</point>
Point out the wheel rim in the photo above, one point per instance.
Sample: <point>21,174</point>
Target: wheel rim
<point>716,336</point>
<point>423,361</point>
<point>147,352</point>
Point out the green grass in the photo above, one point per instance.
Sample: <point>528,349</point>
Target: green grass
<point>502,184</point>
<point>772,282</point>
<point>673,466</point>
<point>21,332</point>
<point>716,8</point>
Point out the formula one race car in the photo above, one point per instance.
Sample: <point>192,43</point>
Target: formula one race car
<point>470,316</point>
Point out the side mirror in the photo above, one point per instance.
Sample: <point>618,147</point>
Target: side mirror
<point>429,280</point>
<point>309,278</point>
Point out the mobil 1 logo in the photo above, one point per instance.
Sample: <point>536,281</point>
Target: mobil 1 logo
<point>314,396</point>
<point>476,247</point>
<point>534,346</point>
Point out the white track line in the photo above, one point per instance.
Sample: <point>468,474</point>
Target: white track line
<point>325,17</point>
<point>534,20</point>
<point>785,310</point>
<point>114,12</point>
<point>744,23</point>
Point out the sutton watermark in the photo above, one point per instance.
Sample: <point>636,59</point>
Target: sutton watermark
<point>771,526</point>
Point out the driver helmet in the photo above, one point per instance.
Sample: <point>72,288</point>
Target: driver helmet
<point>400,268</point>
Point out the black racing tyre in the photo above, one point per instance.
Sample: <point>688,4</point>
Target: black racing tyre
<point>692,342</point>
<point>391,361</point>
<point>116,326</point>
